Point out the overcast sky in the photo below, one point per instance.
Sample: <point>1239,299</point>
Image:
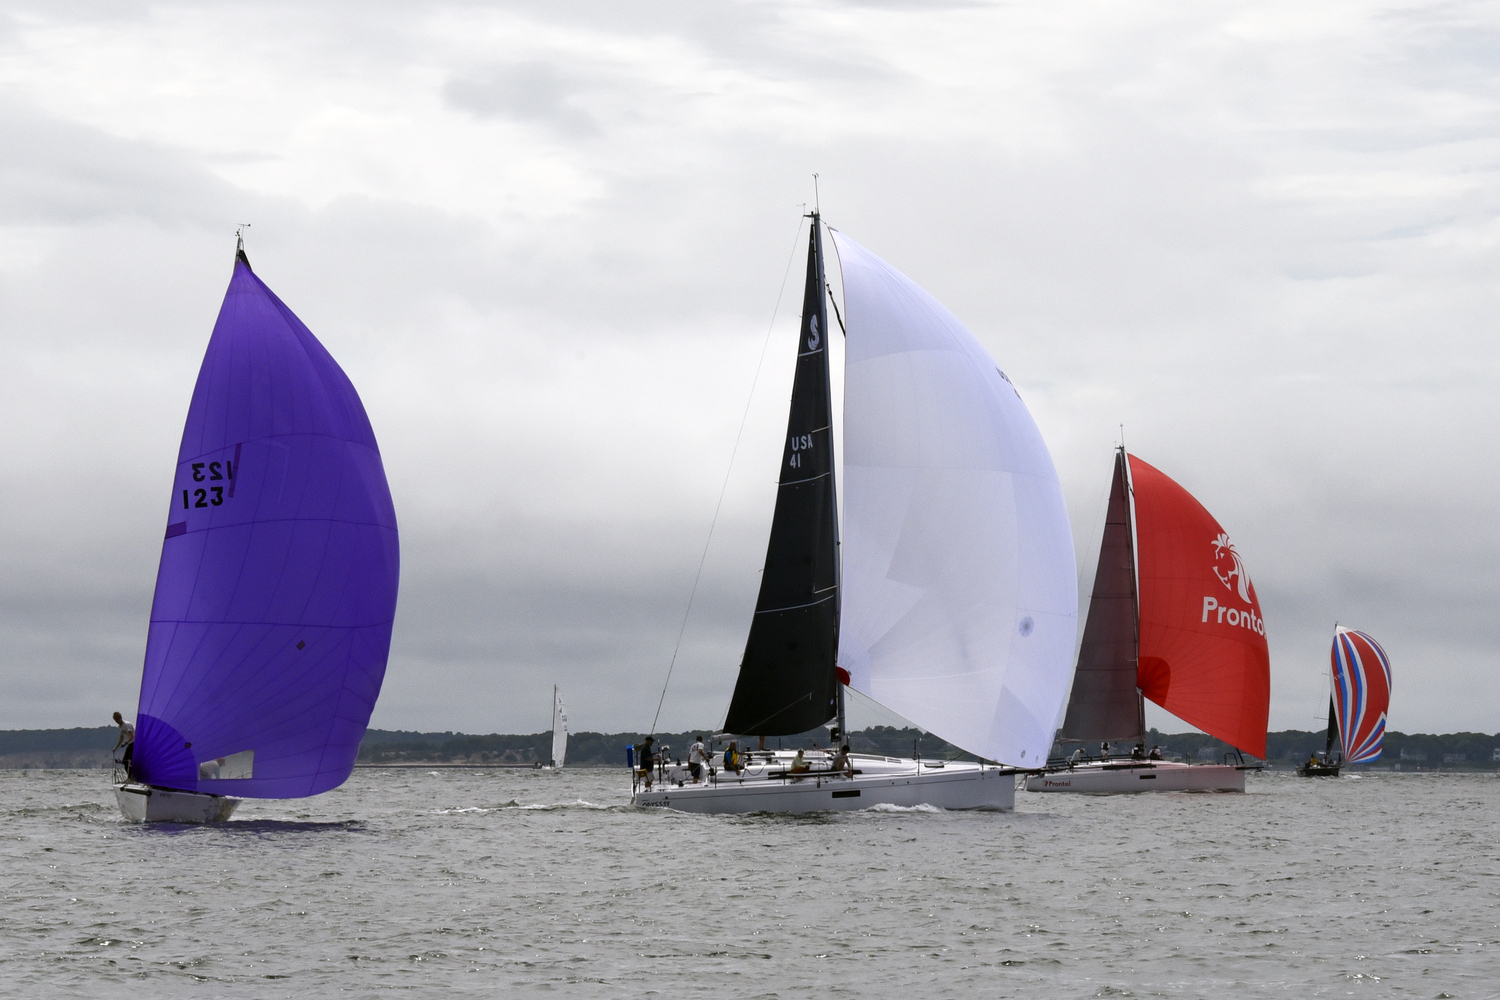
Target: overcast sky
<point>546,241</point>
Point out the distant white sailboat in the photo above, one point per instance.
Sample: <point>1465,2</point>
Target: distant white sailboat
<point>952,597</point>
<point>559,729</point>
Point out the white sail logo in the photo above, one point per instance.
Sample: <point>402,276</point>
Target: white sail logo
<point>813,339</point>
<point>1225,555</point>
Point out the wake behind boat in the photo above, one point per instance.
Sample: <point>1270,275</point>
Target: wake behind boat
<point>1176,621</point>
<point>271,622</point>
<point>952,597</point>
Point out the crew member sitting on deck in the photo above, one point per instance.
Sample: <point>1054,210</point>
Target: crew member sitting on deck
<point>126,740</point>
<point>1156,752</point>
<point>1312,761</point>
<point>799,764</point>
<point>1138,752</point>
<point>647,763</point>
<point>732,760</point>
<point>1104,750</point>
<point>697,757</point>
<point>841,761</point>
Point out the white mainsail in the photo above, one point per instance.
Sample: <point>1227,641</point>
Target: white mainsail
<point>559,729</point>
<point>960,589</point>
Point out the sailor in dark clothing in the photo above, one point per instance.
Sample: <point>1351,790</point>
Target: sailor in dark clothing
<point>647,763</point>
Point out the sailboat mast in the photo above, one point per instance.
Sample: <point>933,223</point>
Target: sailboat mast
<point>838,562</point>
<point>824,295</point>
<point>1332,693</point>
<point>1135,591</point>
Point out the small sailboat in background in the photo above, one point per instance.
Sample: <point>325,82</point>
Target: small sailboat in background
<point>276,590</point>
<point>1174,618</point>
<point>952,598</point>
<point>559,729</point>
<point>1357,705</point>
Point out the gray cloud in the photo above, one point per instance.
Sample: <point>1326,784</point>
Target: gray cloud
<point>527,92</point>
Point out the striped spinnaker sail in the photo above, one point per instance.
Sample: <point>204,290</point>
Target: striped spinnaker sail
<point>1361,693</point>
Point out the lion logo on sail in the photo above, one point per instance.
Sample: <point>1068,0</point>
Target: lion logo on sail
<point>1225,556</point>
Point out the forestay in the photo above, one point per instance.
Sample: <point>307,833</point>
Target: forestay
<point>960,601</point>
<point>277,585</point>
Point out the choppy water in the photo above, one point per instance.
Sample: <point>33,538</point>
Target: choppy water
<point>497,883</point>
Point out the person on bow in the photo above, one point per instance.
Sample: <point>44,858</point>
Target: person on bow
<point>126,740</point>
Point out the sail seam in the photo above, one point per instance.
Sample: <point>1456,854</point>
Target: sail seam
<point>809,479</point>
<point>795,607</point>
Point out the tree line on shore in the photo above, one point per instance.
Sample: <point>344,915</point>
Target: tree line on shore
<point>89,747</point>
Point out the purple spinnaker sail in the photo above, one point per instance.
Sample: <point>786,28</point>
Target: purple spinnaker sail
<point>277,586</point>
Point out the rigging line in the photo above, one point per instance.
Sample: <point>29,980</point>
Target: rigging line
<point>836,314</point>
<point>744,418</point>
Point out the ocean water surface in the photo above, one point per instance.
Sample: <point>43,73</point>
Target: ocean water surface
<point>510,883</point>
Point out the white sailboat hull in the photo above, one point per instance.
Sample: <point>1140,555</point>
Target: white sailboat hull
<point>878,781</point>
<point>1140,776</point>
<point>148,804</point>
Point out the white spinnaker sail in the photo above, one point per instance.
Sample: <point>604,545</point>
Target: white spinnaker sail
<point>960,591</point>
<point>559,729</point>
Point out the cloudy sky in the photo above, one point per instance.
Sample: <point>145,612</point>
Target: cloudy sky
<point>546,240</point>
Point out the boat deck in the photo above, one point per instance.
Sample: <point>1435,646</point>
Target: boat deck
<point>768,783</point>
<point>1119,775</point>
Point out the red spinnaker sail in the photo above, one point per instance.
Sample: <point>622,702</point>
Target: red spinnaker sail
<point>1361,693</point>
<point>1203,654</point>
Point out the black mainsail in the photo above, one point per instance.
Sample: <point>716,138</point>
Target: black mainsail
<point>787,682</point>
<point>1106,702</point>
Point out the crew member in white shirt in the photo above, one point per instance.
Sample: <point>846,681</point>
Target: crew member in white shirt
<point>126,740</point>
<point>697,758</point>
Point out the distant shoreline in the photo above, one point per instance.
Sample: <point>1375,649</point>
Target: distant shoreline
<point>89,748</point>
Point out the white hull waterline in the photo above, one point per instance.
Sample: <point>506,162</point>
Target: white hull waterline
<point>148,804</point>
<point>767,785</point>
<point>1115,777</point>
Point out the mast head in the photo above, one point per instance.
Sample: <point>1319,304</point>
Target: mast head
<point>239,243</point>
